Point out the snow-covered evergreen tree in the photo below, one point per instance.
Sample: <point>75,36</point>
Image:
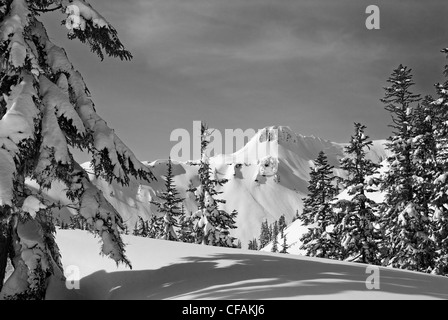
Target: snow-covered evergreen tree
<point>46,108</point>
<point>282,224</point>
<point>285,246</point>
<point>239,244</point>
<point>136,230</point>
<point>265,236</point>
<point>154,227</point>
<point>405,212</point>
<point>212,225</point>
<point>358,231</point>
<point>439,199</point>
<point>274,247</point>
<point>318,213</point>
<point>186,227</point>
<point>168,206</point>
<point>143,228</point>
<point>253,245</point>
<point>424,153</point>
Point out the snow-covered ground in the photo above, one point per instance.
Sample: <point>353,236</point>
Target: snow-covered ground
<point>171,270</point>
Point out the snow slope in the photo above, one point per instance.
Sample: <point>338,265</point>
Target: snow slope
<point>172,270</point>
<point>267,198</point>
<point>295,230</point>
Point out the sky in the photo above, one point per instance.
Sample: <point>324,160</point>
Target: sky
<point>311,65</point>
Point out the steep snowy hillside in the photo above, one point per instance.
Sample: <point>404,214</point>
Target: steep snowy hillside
<point>254,196</point>
<point>173,270</point>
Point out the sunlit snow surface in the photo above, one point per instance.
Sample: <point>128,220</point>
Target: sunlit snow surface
<point>171,270</point>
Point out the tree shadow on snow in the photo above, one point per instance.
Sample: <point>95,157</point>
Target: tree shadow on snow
<point>247,276</point>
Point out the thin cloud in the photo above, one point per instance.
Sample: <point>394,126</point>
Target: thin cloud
<point>310,64</point>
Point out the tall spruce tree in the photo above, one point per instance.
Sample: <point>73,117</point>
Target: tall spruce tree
<point>318,213</point>
<point>439,200</point>
<point>46,108</point>
<point>168,206</point>
<point>405,212</point>
<point>213,225</point>
<point>425,152</point>
<point>356,231</point>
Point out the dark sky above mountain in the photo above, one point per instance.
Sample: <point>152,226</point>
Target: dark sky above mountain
<point>311,65</point>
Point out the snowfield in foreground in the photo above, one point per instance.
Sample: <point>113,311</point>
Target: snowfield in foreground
<point>170,270</point>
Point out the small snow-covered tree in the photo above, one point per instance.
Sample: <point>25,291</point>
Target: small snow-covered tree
<point>154,227</point>
<point>136,230</point>
<point>45,110</point>
<point>285,246</point>
<point>168,206</point>
<point>282,224</point>
<point>318,213</point>
<point>253,244</point>
<point>212,225</point>
<point>358,230</point>
<point>265,236</point>
<point>274,247</point>
<point>186,226</point>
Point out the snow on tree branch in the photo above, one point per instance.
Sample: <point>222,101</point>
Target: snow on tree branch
<point>110,155</point>
<point>86,24</point>
<point>16,128</point>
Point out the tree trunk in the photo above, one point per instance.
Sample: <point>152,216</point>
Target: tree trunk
<point>5,242</point>
<point>4,248</point>
<point>17,283</point>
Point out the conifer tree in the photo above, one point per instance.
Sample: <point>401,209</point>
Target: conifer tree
<point>135,231</point>
<point>356,231</point>
<point>168,206</point>
<point>253,244</point>
<point>285,246</point>
<point>439,199</point>
<point>265,237</point>
<point>282,224</point>
<point>186,230</point>
<point>318,211</point>
<point>143,228</point>
<point>274,237</point>
<point>153,227</point>
<point>239,245</point>
<point>213,225</point>
<point>405,212</point>
<point>45,108</point>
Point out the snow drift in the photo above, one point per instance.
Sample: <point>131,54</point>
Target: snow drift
<point>172,270</point>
